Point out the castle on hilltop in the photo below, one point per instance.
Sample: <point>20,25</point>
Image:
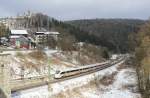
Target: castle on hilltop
<point>16,22</point>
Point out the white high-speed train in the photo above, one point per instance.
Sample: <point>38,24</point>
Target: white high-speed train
<point>75,71</point>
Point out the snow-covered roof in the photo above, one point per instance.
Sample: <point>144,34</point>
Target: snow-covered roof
<point>19,32</point>
<point>80,43</point>
<point>13,36</point>
<point>53,33</point>
<point>50,33</point>
<point>3,38</point>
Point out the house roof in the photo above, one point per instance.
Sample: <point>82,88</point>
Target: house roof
<point>13,36</point>
<point>53,33</point>
<point>18,37</point>
<point>48,33</point>
<point>39,33</point>
<point>20,32</point>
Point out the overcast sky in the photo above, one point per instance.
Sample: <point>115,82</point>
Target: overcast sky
<point>79,9</point>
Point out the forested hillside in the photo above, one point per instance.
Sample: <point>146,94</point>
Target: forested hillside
<point>69,38</point>
<point>110,33</point>
<point>142,58</point>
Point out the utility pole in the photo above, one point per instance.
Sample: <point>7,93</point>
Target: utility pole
<point>49,68</point>
<point>5,91</point>
<point>79,45</point>
<point>49,75</point>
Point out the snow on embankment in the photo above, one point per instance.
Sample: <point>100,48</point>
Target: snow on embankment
<point>35,63</point>
<point>64,86</point>
<point>80,81</point>
<point>113,82</point>
<point>120,84</point>
<point>90,86</point>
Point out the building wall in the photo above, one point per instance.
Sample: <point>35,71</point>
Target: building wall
<point>20,43</point>
<point>44,38</point>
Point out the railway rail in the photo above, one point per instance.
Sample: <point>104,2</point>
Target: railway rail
<point>36,82</point>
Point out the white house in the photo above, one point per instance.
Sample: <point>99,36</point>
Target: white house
<point>19,39</point>
<point>19,32</point>
<point>43,36</point>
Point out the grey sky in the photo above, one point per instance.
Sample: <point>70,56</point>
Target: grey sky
<point>79,9</point>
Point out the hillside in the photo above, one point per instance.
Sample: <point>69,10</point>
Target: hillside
<point>69,36</point>
<point>110,33</point>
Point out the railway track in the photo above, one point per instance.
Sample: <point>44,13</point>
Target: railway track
<point>31,83</point>
<point>5,49</point>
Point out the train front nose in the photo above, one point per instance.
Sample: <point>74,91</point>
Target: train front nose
<point>57,76</point>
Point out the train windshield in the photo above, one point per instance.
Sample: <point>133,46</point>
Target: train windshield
<point>57,71</point>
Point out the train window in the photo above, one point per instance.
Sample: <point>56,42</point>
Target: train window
<point>63,72</point>
<point>71,70</point>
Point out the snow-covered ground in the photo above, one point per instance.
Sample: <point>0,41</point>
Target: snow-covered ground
<point>117,81</point>
<point>120,84</point>
<point>33,67</point>
<point>24,62</point>
<point>123,85</point>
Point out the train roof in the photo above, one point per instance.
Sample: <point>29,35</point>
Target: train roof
<point>70,69</point>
